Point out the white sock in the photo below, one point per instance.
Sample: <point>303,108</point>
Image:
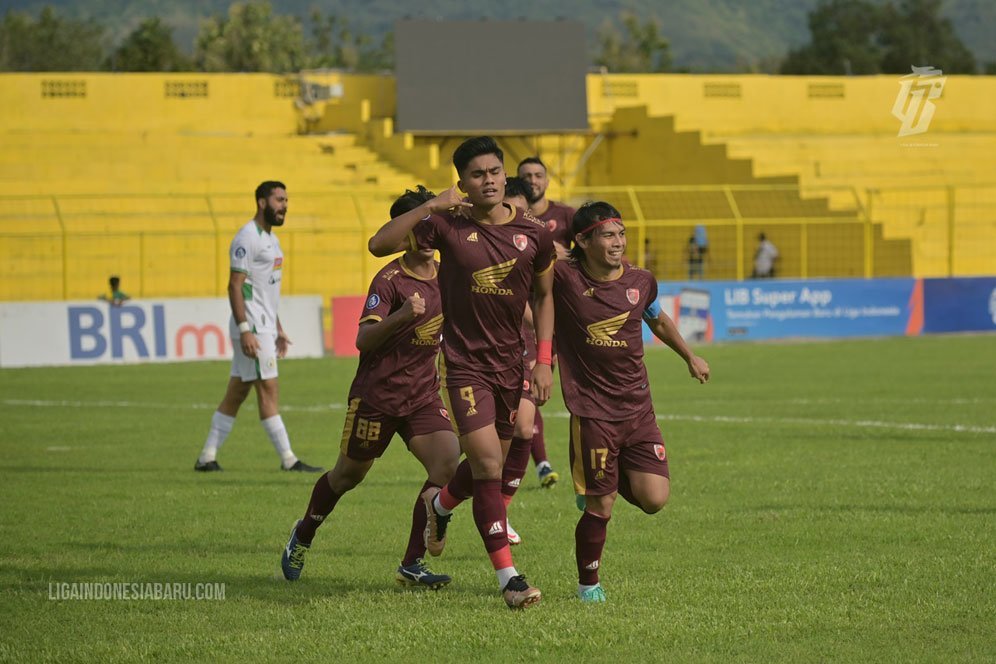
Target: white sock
<point>505,574</point>
<point>277,432</point>
<point>440,510</point>
<point>221,426</point>
<point>582,588</point>
<point>541,465</point>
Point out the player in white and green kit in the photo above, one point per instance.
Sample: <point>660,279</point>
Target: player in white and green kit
<point>257,337</point>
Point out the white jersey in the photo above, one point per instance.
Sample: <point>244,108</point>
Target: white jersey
<point>257,253</point>
<point>764,258</point>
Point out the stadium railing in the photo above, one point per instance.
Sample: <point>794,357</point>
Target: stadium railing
<point>176,245</point>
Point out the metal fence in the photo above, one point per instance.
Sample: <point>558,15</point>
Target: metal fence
<point>65,247</point>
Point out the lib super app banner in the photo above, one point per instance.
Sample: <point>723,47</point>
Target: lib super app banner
<point>778,309</point>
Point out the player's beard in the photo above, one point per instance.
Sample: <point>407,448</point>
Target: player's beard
<point>532,195</point>
<point>271,218</point>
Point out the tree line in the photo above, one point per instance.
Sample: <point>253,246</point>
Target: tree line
<point>846,37</point>
<point>251,37</point>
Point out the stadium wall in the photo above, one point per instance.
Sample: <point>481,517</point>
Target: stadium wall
<point>755,103</point>
<point>273,104</point>
<point>252,104</point>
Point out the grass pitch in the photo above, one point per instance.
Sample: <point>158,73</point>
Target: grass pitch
<point>830,502</point>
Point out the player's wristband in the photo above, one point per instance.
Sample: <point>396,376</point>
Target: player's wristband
<point>244,326</point>
<point>544,352</point>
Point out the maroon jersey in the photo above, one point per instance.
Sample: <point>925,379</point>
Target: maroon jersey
<point>599,331</point>
<point>558,218</point>
<point>485,279</point>
<point>399,376</point>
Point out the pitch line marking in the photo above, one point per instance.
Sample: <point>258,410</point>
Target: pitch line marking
<point>725,419</point>
<point>41,403</point>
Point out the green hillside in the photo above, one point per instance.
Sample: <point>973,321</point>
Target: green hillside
<point>705,35</point>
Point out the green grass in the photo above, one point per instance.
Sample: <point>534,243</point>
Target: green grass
<point>809,521</point>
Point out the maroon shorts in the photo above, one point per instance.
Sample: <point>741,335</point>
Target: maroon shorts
<point>527,384</point>
<point>368,431</point>
<point>477,398</point>
<point>600,448</point>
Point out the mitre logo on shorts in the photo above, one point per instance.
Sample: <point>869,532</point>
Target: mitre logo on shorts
<point>427,334</point>
<point>520,241</point>
<point>373,301</point>
<point>601,333</point>
<point>659,451</point>
<point>486,281</point>
<point>633,295</point>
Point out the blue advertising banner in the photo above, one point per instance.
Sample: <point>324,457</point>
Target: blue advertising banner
<point>960,305</point>
<point>777,309</point>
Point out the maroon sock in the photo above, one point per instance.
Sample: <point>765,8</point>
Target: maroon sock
<point>539,443</point>
<point>515,466</point>
<point>416,539</point>
<point>462,484</point>
<point>323,500</point>
<point>626,491</point>
<point>489,514</point>
<point>589,540</point>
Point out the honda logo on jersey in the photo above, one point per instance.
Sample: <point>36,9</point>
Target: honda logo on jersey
<point>633,295</point>
<point>487,279</point>
<point>520,241</point>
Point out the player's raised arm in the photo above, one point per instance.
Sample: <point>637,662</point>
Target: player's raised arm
<point>393,236</point>
<point>664,329</point>
<point>373,334</point>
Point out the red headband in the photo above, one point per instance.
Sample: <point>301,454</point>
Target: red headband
<point>599,223</point>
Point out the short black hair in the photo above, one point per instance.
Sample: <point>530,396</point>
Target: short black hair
<point>266,188</point>
<point>114,281</point>
<point>475,147</point>
<point>530,160</point>
<point>590,213</point>
<point>410,200</point>
<point>517,187</point>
